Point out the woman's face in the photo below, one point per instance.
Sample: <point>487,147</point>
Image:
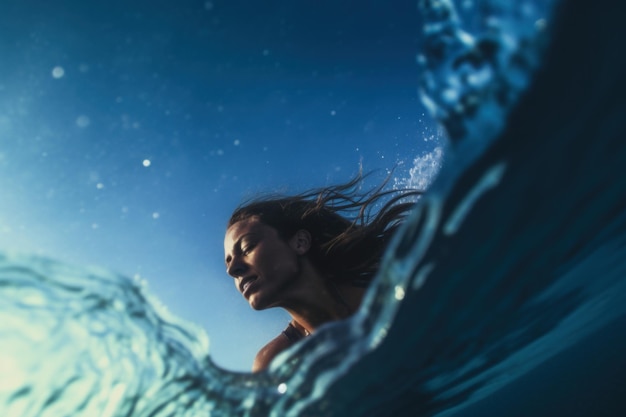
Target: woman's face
<point>264,265</point>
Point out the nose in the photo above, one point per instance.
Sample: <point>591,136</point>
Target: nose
<point>236,268</point>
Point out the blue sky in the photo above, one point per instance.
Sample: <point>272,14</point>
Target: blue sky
<point>225,99</point>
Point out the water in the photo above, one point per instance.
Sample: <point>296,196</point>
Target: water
<point>503,295</point>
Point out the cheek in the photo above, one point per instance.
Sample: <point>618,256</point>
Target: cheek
<point>288,266</point>
<point>275,262</point>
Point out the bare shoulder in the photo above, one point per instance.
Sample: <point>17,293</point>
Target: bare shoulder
<point>269,352</point>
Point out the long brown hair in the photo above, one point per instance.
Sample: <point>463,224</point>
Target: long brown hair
<point>349,234</point>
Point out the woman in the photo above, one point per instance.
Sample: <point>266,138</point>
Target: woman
<point>312,254</point>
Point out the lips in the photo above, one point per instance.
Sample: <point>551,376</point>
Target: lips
<point>245,283</point>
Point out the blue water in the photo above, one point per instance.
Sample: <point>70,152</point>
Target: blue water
<point>504,294</point>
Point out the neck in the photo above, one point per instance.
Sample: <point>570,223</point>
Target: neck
<point>313,300</point>
<point>328,303</point>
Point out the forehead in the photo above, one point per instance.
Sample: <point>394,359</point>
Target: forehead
<point>251,225</point>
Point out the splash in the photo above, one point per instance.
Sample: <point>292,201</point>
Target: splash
<point>423,172</point>
<point>474,71</point>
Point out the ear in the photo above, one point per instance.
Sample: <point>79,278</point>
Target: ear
<point>301,241</point>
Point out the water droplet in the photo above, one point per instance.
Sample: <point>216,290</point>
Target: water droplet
<point>58,72</point>
<point>83,121</point>
<point>399,292</point>
<point>541,24</point>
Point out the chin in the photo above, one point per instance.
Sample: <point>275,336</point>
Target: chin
<point>257,303</point>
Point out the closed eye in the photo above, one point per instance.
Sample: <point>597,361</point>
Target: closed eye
<point>240,251</point>
<point>247,249</point>
<point>243,246</point>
